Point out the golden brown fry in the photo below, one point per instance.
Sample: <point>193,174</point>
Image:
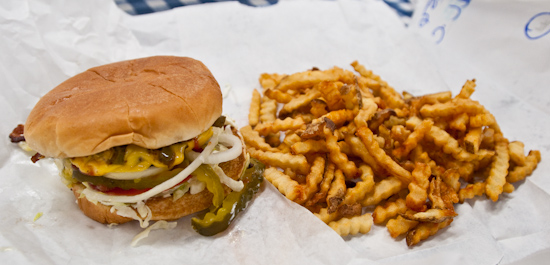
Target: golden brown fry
<point>315,176</point>
<point>279,125</point>
<point>309,146</point>
<point>254,111</point>
<point>482,119</point>
<point>307,79</point>
<point>268,110</point>
<point>388,211</point>
<point>383,190</point>
<point>253,139</point>
<point>327,217</point>
<point>451,177</point>
<point>418,188</point>
<point>296,162</point>
<point>331,93</point>
<point>300,101</point>
<point>399,226</point>
<point>442,196</point>
<point>418,134</point>
<point>366,112</point>
<point>288,187</point>
<point>499,170</point>
<point>367,137</point>
<point>351,96</point>
<point>291,139</point>
<point>424,230</point>
<point>359,150</point>
<point>278,96</point>
<point>325,184</point>
<point>339,117</point>
<point>352,226</point>
<point>468,89</point>
<point>460,122</point>
<point>337,191</point>
<point>337,157</point>
<point>451,108</point>
<point>318,108</point>
<point>362,187</point>
<point>270,81</point>
<point>431,215</point>
<point>471,190</point>
<point>472,140</point>
<point>517,153</point>
<point>520,172</point>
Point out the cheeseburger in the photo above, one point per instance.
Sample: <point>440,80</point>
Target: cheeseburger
<point>141,140</point>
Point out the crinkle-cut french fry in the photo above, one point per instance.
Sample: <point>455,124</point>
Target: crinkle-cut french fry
<point>488,139</point>
<point>273,139</point>
<point>365,84</point>
<point>343,131</point>
<point>337,157</point>
<point>472,140</point>
<point>460,122</point>
<point>418,134</point>
<point>388,210</point>
<point>291,139</point>
<point>278,96</point>
<point>254,111</point>
<point>307,79</point>
<point>520,172</point>
<point>361,69</point>
<point>359,150</point>
<point>418,188</point>
<point>399,226</point>
<point>482,119</point>
<point>451,177</point>
<point>471,191</point>
<point>291,173</point>
<point>270,81</point>
<point>284,148</point>
<point>318,108</point>
<point>309,146</point>
<point>517,153</point>
<point>431,215</point>
<point>352,226</point>
<point>339,117</point>
<point>362,187</point>
<point>449,144</point>
<point>279,125</point>
<point>391,97</point>
<point>315,176</point>
<point>283,160</point>
<point>383,190</point>
<point>321,195</point>
<point>337,191</point>
<point>300,101</point>
<point>424,230</point>
<point>351,96</point>
<point>499,170</point>
<point>399,133</point>
<point>441,195</point>
<point>253,139</point>
<point>367,137</point>
<point>288,187</point>
<point>452,108</point>
<point>327,217</point>
<point>268,110</point>
<point>508,188</point>
<point>467,89</point>
<point>366,112</point>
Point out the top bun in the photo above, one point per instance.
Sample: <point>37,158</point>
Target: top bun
<point>150,102</point>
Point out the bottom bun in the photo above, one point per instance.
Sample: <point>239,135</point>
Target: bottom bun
<point>161,208</point>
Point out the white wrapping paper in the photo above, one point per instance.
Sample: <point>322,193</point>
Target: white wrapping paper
<point>45,42</point>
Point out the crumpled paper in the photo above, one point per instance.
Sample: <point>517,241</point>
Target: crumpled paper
<point>45,42</point>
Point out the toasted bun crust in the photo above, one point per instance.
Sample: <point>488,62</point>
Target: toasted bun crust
<point>151,102</point>
<point>161,208</point>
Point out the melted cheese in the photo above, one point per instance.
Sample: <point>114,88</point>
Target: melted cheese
<point>136,158</point>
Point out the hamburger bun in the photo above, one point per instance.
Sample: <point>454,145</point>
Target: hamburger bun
<point>150,102</point>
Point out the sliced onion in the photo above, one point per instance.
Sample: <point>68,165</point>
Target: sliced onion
<point>101,197</point>
<point>229,182</point>
<point>135,175</point>
<point>229,154</point>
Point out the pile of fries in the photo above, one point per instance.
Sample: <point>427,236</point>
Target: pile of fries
<point>355,152</point>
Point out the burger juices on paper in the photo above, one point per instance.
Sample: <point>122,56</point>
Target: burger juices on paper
<point>145,140</point>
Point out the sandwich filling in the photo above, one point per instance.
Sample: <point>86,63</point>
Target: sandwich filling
<point>125,177</point>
